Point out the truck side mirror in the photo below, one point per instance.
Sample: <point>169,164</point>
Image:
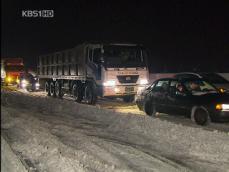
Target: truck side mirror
<point>101,59</point>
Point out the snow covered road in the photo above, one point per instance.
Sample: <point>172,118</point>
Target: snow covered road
<point>117,105</point>
<point>56,135</point>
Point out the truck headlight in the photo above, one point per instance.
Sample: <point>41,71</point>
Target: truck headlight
<point>143,81</point>
<point>8,79</point>
<point>109,83</point>
<point>222,107</point>
<point>24,83</point>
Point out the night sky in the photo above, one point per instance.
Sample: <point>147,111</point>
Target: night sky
<point>181,35</point>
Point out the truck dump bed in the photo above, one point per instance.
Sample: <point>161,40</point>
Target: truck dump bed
<point>67,64</point>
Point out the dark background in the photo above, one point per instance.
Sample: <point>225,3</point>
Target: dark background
<point>181,35</point>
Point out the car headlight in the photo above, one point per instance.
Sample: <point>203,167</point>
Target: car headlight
<point>222,90</point>
<point>109,83</point>
<point>222,107</point>
<point>143,81</point>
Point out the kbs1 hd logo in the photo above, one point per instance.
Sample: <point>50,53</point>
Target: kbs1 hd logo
<point>38,13</point>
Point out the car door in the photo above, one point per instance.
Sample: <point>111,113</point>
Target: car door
<point>171,97</point>
<point>178,101</point>
<point>159,94</point>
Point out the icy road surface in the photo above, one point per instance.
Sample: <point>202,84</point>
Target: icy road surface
<point>57,135</point>
<point>117,105</point>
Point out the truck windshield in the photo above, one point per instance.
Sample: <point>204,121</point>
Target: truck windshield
<point>124,56</point>
<point>14,68</point>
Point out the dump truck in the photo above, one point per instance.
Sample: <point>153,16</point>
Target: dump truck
<point>92,70</point>
<point>11,68</point>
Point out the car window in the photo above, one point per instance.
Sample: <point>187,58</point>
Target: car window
<point>161,86</point>
<point>172,87</point>
<point>199,87</point>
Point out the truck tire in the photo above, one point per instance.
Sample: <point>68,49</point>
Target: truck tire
<point>128,99</point>
<point>52,89</point>
<point>90,96</point>
<point>58,90</point>
<point>47,88</point>
<point>77,93</point>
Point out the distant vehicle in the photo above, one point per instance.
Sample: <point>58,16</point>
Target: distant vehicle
<point>95,69</point>
<point>3,72</point>
<point>13,67</point>
<point>195,98</point>
<point>214,78</point>
<point>28,82</point>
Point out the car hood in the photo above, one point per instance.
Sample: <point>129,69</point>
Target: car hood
<point>213,98</point>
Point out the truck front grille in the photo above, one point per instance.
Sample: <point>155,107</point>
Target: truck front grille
<point>127,78</point>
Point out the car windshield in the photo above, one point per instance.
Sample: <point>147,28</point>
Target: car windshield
<point>214,78</point>
<point>197,87</point>
<point>124,56</point>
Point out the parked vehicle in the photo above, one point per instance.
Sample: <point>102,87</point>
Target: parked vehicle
<point>95,69</point>
<point>3,72</point>
<point>12,67</point>
<point>195,98</point>
<point>214,78</point>
<point>28,82</point>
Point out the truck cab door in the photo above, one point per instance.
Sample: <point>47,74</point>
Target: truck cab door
<point>94,56</point>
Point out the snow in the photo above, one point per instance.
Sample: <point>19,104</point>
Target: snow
<point>9,161</point>
<point>60,135</point>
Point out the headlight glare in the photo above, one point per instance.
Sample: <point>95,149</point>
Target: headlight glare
<point>222,107</point>
<point>109,83</point>
<point>9,79</point>
<point>25,82</point>
<point>143,81</point>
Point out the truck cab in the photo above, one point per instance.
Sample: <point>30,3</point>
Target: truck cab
<point>120,70</point>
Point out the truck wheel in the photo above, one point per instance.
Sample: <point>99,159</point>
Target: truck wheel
<point>90,94</point>
<point>58,90</point>
<point>77,93</point>
<point>52,89</point>
<point>47,88</point>
<point>128,99</point>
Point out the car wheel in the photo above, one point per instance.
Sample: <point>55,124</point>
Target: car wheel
<point>200,116</point>
<point>150,109</point>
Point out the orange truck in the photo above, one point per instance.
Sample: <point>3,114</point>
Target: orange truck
<point>12,67</point>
